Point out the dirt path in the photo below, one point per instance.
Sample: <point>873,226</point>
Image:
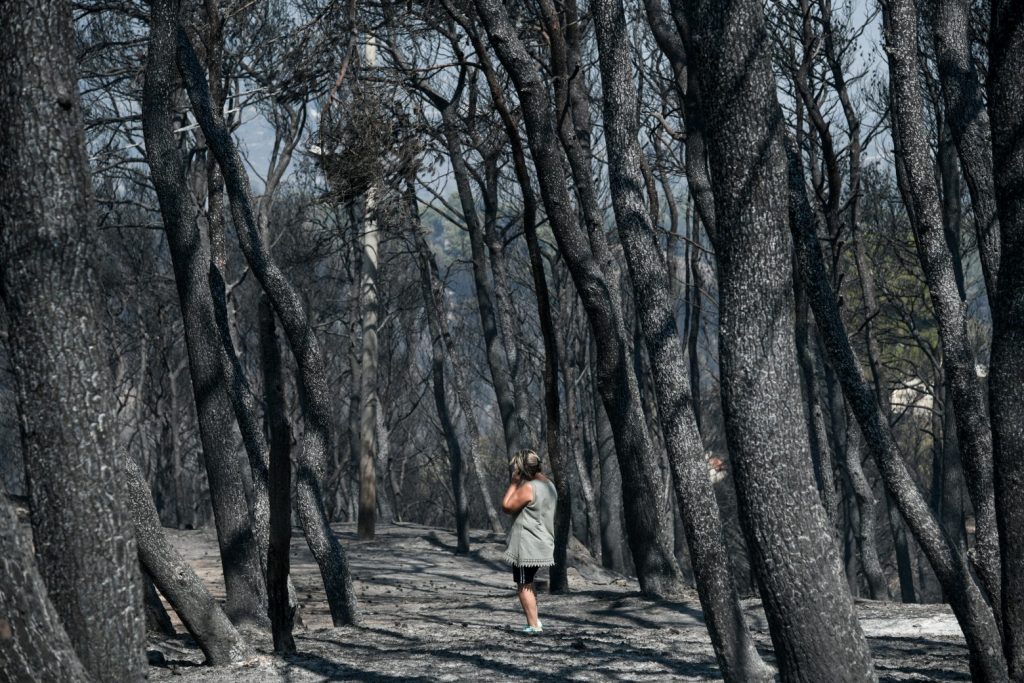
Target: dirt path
<point>430,615</point>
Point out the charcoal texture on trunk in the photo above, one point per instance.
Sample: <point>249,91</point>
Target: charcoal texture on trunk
<point>280,611</point>
<point>552,412</point>
<point>809,608</point>
<point>920,194</point>
<point>1006,377</point>
<point>33,643</point>
<point>865,501</point>
<point>219,640</point>
<point>737,656</point>
<point>240,557</point>
<point>964,99</point>
<point>648,534</point>
<point>84,545</point>
<point>314,396</point>
<point>972,611</point>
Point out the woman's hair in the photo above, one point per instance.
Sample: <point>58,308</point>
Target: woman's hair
<point>526,462</point>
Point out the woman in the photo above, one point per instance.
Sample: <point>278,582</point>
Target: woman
<point>530,499</point>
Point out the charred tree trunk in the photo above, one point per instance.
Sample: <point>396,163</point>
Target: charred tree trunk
<point>552,413</point>
<point>1006,378</point>
<point>157,619</point>
<point>737,656</point>
<point>84,546</point>
<point>243,578</point>
<point>203,617</point>
<point>242,400</point>
<point>280,437</point>
<point>809,608</point>
<point>648,533</point>
<point>613,535</point>
<point>968,122</point>
<point>821,455</point>
<point>921,196</point>
<point>497,359</point>
<point>867,540</point>
<point>968,603</point>
<point>289,309</point>
<point>34,646</point>
<point>503,287</point>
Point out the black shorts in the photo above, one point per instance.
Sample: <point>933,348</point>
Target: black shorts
<point>523,575</point>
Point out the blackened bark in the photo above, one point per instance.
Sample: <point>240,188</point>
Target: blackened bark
<point>613,535</point>
<point>650,544</point>
<point>1006,377</point>
<point>242,401</point>
<point>243,404</point>
<point>84,546</point>
<point>243,577</point>
<point>552,412</point>
<point>33,643</point>
<point>821,455</point>
<point>157,619</point>
<point>867,539</point>
<point>947,500</point>
<point>174,576</point>
<point>289,309</point>
<point>968,603</point>
<point>921,196</point>
<point>809,608</point>
<point>734,648</point>
<point>280,477</point>
<point>964,99</point>
<point>503,290</point>
<point>699,273</point>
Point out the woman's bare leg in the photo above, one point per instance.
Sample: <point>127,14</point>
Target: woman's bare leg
<point>528,599</point>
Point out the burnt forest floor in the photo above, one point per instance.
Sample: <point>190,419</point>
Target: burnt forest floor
<point>431,615</point>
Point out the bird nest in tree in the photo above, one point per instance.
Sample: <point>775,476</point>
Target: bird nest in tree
<point>365,139</point>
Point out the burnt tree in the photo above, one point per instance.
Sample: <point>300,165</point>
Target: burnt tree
<point>84,545</point>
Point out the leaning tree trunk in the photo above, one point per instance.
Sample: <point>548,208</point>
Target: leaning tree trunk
<point>217,637</point>
<point>243,578</point>
<point>969,605</point>
<point>865,533</point>
<point>921,196</point>
<point>647,527</point>
<point>84,546</point>
<point>288,307</point>
<point>34,645</point>
<point>737,656</point>
<point>242,401</point>
<point>808,605</point>
<point>1006,377</point>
